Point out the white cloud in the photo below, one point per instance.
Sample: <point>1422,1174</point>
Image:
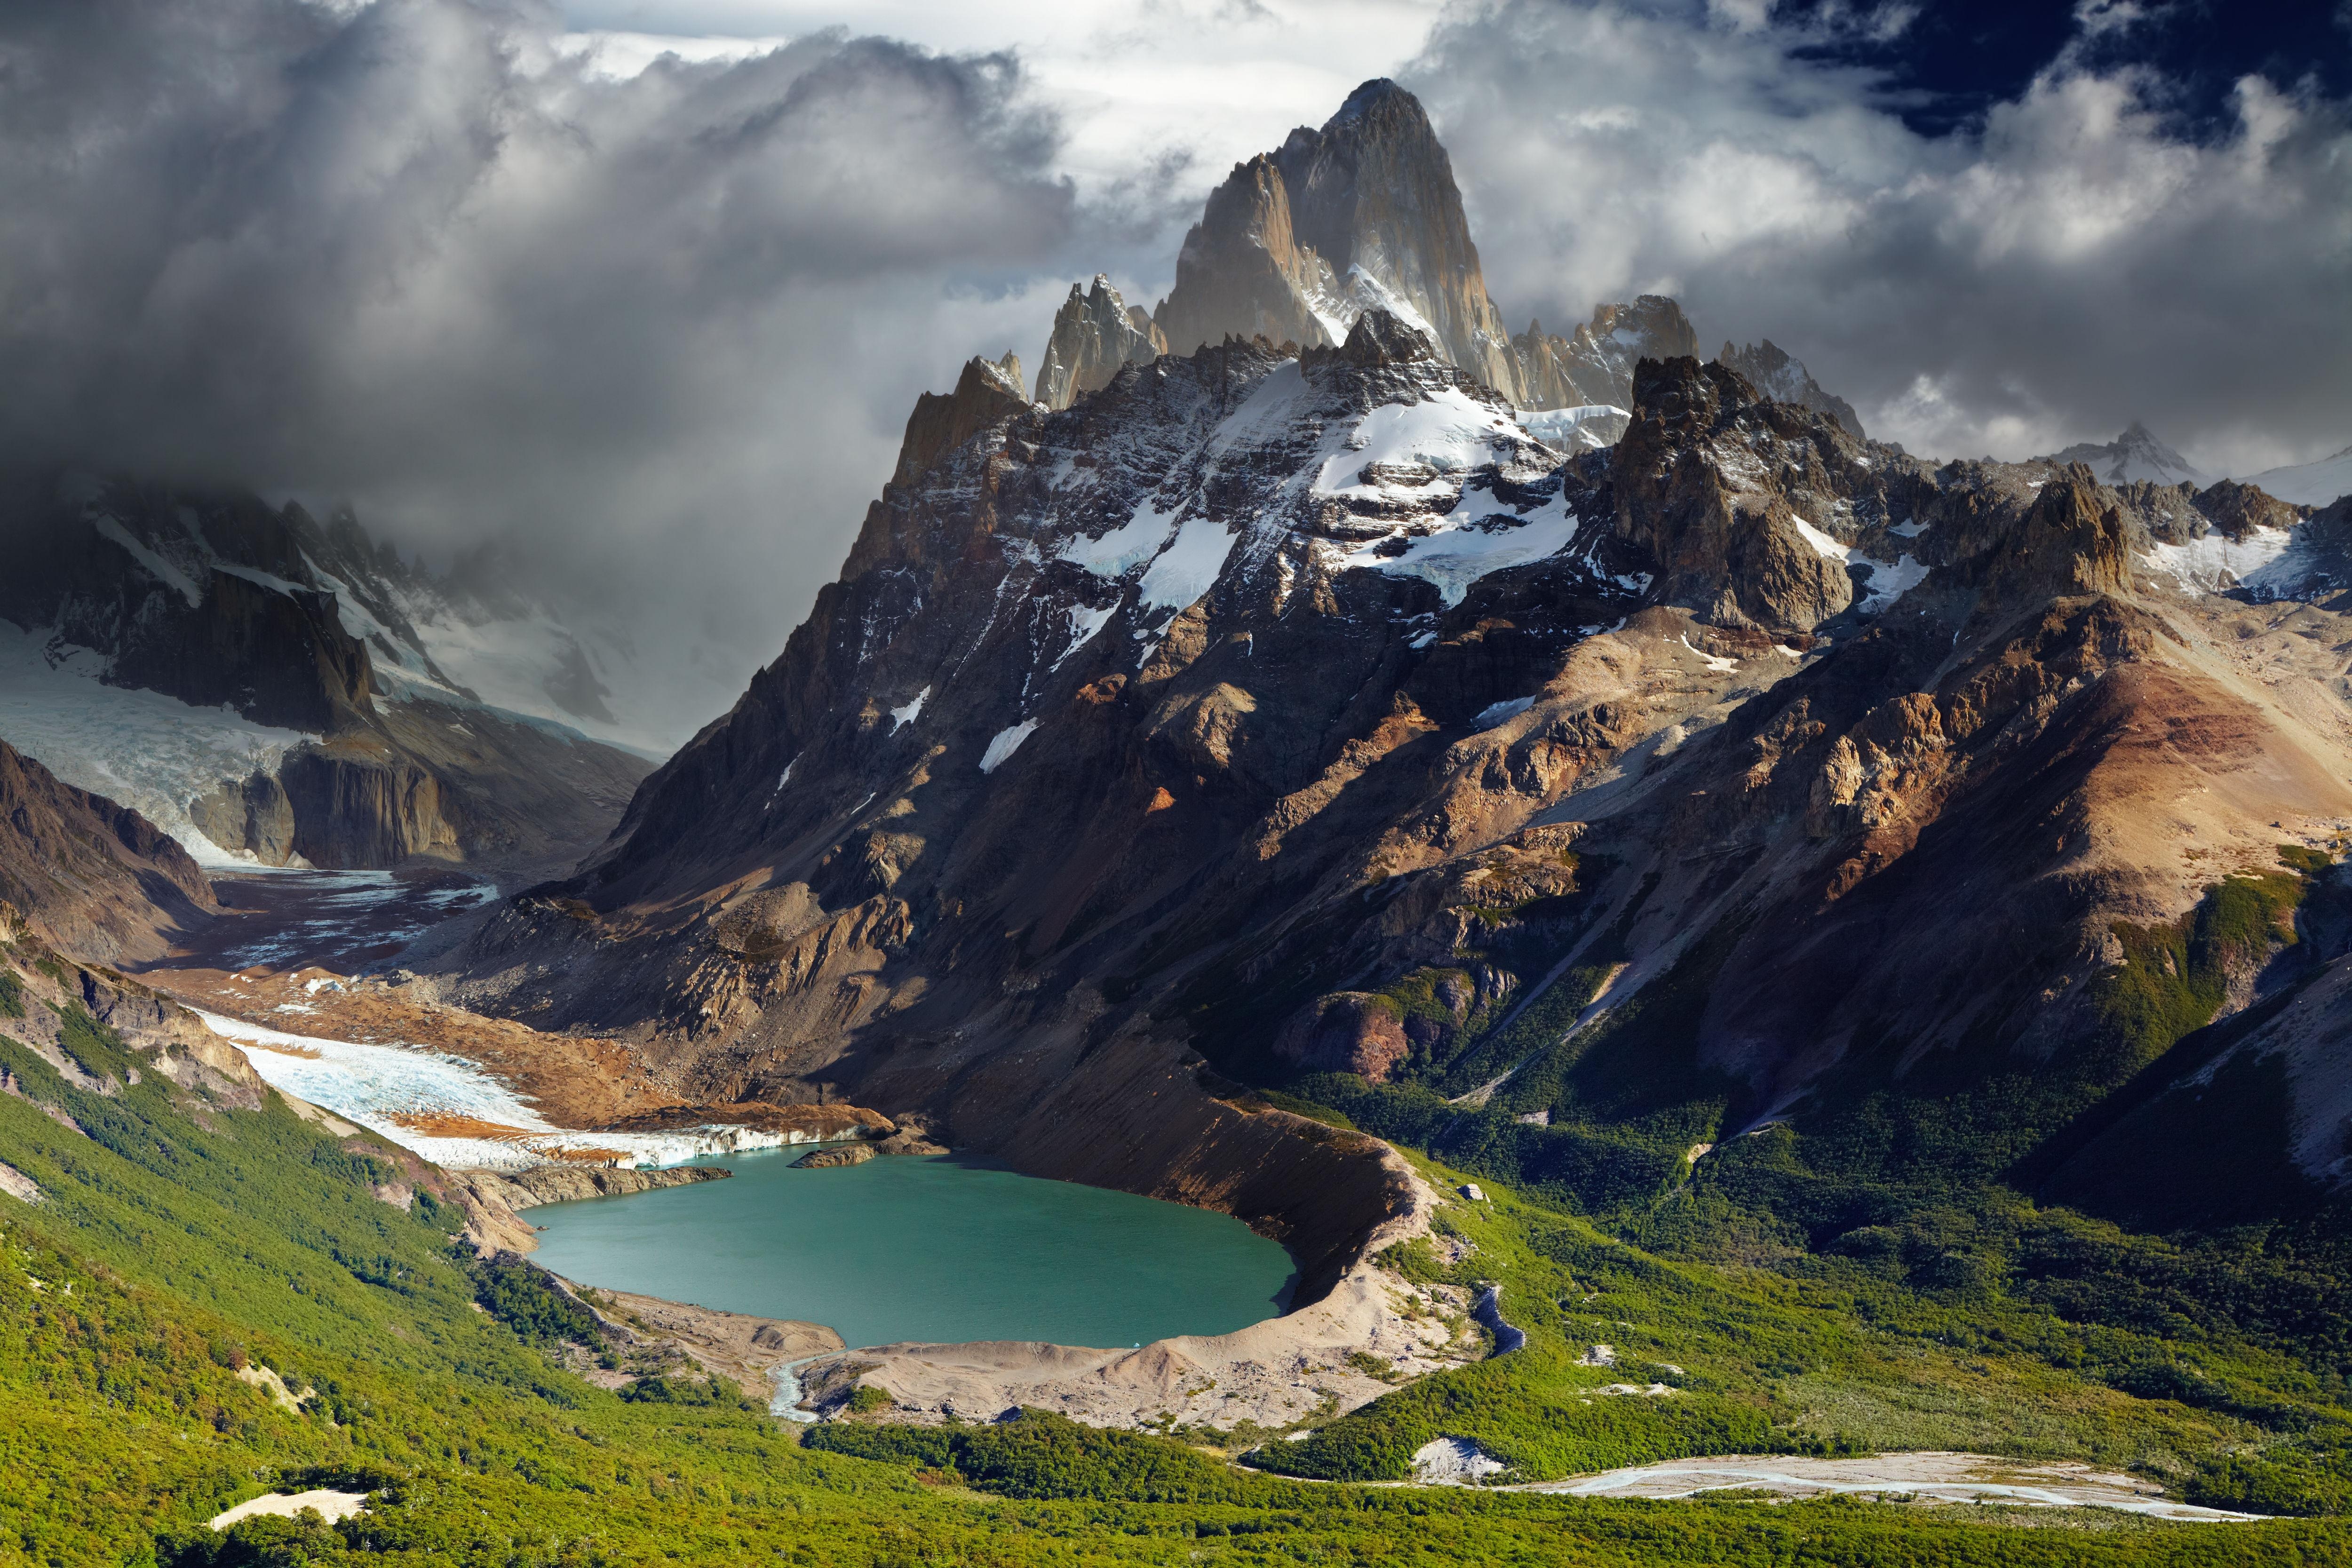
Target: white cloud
<point>2071,265</point>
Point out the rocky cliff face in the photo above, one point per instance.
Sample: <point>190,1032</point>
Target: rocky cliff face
<point>1362,214</point>
<point>1095,334</point>
<point>318,722</point>
<point>1276,712</point>
<point>86,874</point>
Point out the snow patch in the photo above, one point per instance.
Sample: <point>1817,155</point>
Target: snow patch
<point>1458,555</point>
<point>1004,743</point>
<point>1449,432</point>
<point>1190,566</point>
<point>448,1110</point>
<point>2309,484</point>
<point>1827,548</point>
<point>1721,666</point>
<point>1495,713</point>
<point>140,749</point>
<point>899,717</point>
<point>2214,563</point>
<point>1886,583</point>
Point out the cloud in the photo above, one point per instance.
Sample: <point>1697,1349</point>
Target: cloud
<point>660,331</point>
<point>2074,261</point>
<point>644,290</point>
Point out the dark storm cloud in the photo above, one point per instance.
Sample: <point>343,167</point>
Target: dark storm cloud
<point>2076,256</point>
<point>661,331</point>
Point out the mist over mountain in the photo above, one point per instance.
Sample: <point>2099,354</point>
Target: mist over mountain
<point>655,327</point>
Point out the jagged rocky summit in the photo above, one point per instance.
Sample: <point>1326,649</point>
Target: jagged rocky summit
<point>266,688</point>
<point>1275,711</point>
<point>1364,214</point>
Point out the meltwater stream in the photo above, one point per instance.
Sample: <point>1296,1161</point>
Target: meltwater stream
<point>940,1249</point>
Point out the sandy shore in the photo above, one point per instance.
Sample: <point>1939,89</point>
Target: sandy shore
<point>1274,1373</point>
<point>734,1345</point>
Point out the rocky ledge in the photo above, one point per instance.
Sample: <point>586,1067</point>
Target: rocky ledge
<point>567,1183</point>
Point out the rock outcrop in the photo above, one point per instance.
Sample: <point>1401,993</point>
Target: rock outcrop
<point>1096,333</point>
<point>87,875</point>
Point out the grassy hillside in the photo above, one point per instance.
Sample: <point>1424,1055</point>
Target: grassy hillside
<point>183,1244</point>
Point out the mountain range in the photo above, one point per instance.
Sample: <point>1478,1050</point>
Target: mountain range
<point>1287,712</point>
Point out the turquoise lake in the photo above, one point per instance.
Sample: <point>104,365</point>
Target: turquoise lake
<point>942,1250</point>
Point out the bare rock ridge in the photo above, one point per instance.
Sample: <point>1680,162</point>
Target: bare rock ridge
<point>220,601</point>
<point>1095,334</point>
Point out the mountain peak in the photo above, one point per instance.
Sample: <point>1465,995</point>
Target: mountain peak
<point>1374,99</point>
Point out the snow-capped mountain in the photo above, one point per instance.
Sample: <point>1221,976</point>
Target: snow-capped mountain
<point>2136,456</point>
<point>266,688</point>
<point>2309,484</point>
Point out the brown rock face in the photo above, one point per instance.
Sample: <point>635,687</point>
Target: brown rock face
<point>1709,478</point>
<point>1242,272</point>
<point>89,876</point>
<point>1362,214</point>
<point>1096,335</point>
<point>2237,510</point>
<point>988,391</point>
<point>1346,1031</point>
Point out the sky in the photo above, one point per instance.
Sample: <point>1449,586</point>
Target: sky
<point>641,292</point>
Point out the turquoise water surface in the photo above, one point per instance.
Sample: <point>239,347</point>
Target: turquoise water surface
<point>942,1250</point>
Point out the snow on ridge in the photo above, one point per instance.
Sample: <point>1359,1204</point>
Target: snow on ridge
<point>2319,483</point>
<point>1448,432</point>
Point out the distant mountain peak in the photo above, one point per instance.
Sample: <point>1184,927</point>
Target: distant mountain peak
<point>2139,455</point>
